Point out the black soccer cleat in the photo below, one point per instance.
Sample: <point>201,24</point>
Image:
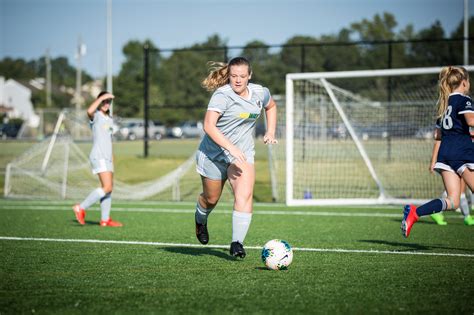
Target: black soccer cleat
<point>201,233</point>
<point>237,250</point>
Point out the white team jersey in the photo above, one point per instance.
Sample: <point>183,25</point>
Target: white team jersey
<point>102,137</point>
<point>237,120</point>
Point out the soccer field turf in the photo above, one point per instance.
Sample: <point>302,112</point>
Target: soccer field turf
<point>346,260</point>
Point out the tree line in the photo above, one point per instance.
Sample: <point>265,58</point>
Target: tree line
<point>175,91</point>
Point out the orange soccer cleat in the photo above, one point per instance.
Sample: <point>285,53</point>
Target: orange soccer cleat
<point>110,223</point>
<point>80,214</point>
<point>409,218</point>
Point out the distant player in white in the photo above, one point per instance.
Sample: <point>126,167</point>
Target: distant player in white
<point>101,160</point>
<point>227,149</point>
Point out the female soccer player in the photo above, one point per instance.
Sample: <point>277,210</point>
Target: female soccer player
<point>456,153</point>
<point>227,149</point>
<point>464,203</point>
<point>101,160</point>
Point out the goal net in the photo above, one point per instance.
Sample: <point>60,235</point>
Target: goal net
<point>58,168</point>
<point>361,137</point>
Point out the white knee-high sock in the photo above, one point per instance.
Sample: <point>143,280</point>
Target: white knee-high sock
<point>105,205</point>
<point>240,225</point>
<point>464,205</point>
<point>469,197</point>
<point>93,197</point>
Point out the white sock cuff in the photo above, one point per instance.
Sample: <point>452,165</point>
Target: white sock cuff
<point>100,192</point>
<point>243,215</point>
<point>202,210</point>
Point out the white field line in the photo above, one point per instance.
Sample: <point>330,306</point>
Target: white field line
<point>187,211</point>
<point>193,204</point>
<point>256,211</point>
<point>303,249</point>
<point>143,202</point>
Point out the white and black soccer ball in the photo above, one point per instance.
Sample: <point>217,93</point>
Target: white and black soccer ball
<point>277,254</point>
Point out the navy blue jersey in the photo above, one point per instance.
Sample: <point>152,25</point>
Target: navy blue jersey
<point>456,142</point>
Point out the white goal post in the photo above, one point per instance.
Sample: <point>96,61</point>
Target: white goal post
<point>361,137</point>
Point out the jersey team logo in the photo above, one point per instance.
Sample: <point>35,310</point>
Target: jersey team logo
<point>248,115</point>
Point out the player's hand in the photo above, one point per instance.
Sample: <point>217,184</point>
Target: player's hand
<point>431,169</point>
<point>238,155</point>
<point>269,139</point>
<point>107,96</point>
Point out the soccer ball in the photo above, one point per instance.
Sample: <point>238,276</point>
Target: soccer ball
<point>277,254</point>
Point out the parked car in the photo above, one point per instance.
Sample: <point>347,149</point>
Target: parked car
<point>425,133</point>
<point>10,129</point>
<point>188,129</point>
<point>338,131</point>
<point>132,129</point>
<point>374,131</point>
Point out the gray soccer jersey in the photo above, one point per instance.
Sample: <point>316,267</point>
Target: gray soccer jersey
<point>102,137</point>
<point>237,120</point>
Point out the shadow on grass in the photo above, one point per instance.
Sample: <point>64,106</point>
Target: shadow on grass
<point>220,253</point>
<point>92,222</point>
<point>75,223</point>
<point>269,270</point>
<point>414,246</point>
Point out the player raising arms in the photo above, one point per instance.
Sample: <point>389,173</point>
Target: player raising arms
<point>456,153</point>
<point>227,149</point>
<point>101,160</point>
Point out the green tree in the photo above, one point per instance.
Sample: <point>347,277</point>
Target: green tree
<point>128,85</point>
<point>257,53</point>
<point>336,57</point>
<point>268,70</point>
<point>381,28</point>
<point>180,78</point>
<point>457,48</point>
<point>424,54</point>
<point>63,75</point>
<point>16,69</point>
<point>302,54</point>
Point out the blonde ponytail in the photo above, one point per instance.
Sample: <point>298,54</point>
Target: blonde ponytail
<point>449,79</point>
<point>218,76</point>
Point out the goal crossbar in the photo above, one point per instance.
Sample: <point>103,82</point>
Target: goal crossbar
<point>367,73</point>
<point>314,103</point>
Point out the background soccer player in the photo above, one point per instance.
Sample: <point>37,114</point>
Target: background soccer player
<point>227,149</point>
<point>101,160</point>
<point>464,203</point>
<point>456,152</point>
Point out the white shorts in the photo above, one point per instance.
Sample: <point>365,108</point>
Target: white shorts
<point>101,165</point>
<point>455,167</point>
<point>216,170</point>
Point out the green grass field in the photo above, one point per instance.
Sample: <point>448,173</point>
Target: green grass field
<point>346,260</point>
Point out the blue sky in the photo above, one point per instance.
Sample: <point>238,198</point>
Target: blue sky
<point>29,27</point>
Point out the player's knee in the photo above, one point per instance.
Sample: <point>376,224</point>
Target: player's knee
<point>244,198</point>
<point>107,189</point>
<point>209,201</point>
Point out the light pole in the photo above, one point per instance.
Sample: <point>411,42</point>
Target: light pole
<point>81,51</point>
<point>48,79</point>
<point>466,32</point>
<point>109,49</point>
